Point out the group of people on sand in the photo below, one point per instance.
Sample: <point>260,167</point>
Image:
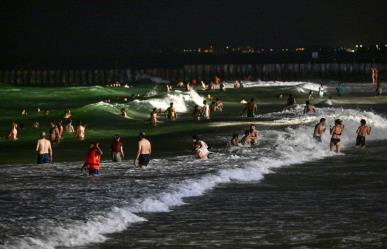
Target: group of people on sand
<point>337,130</point>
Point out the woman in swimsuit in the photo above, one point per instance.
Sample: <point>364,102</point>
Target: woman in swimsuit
<point>336,132</point>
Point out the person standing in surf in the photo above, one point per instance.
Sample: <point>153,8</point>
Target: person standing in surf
<point>205,110</point>
<point>309,108</point>
<point>319,129</point>
<point>93,159</point>
<point>171,112</point>
<point>144,149</point>
<point>117,148</point>
<point>200,148</point>
<point>250,109</point>
<point>374,75</point>
<point>362,132</point>
<point>44,150</point>
<point>336,131</point>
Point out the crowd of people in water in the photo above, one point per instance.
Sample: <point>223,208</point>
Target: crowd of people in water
<point>200,148</point>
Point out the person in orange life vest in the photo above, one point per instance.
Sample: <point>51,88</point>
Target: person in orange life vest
<point>93,158</point>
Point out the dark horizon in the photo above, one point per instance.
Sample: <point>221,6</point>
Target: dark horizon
<point>41,29</point>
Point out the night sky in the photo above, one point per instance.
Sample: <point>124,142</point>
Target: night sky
<point>114,27</point>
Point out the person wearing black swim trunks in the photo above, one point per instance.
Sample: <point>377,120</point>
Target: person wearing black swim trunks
<point>144,150</point>
<point>336,132</point>
<point>362,132</point>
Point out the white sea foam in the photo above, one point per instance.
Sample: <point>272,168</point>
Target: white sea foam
<point>286,147</point>
<point>181,100</point>
<point>151,79</point>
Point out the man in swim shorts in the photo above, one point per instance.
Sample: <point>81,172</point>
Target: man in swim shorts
<point>362,132</point>
<point>251,108</point>
<point>44,150</point>
<point>144,149</point>
<point>319,129</point>
<point>336,132</point>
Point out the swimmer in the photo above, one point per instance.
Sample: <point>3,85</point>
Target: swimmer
<point>24,112</point>
<point>35,125</point>
<point>196,113</point>
<point>80,134</point>
<point>54,133</point>
<point>237,84</point>
<point>67,114</point>
<point>291,100</point>
<point>336,131</point>
<point>212,86</point>
<point>234,140</point>
<point>93,159</point>
<point>124,113</point>
<point>60,128</point>
<point>144,149</point>
<point>362,132</point>
<point>205,111</point>
<point>308,107</point>
<point>218,105</point>
<point>222,87</point>
<point>374,74</point>
<point>321,91</point>
<point>12,135</point>
<point>319,129</point>
<point>251,108</point>
<point>171,112</point>
<point>340,89</point>
<point>200,148</point>
<point>117,148</point>
<point>153,117</point>
<point>69,127</point>
<point>43,149</point>
<point>212,107</point>
<point>253,134</point>
<point>310,95</point>
<point>180,84</point>
<point>246,139</point>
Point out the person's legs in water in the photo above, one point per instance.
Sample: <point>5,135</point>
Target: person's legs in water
<point>143,160</point>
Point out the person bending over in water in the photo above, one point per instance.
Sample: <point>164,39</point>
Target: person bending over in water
<point>44,150</point>
<point>200,148</point>
<point>93,158</point>
<point>308,107</point>
<point>117,148</point>
<point>253,134</point>
<point>144,149</point>
<point>251,108</point>
<point>246,139</point>
<point>336,132</point>
<point>234,140</point>
<point>319,129</point>
<point>362,132</point>
<point>171,112</point>
<point>12,135</point>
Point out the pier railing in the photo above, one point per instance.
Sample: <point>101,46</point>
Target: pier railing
<point>350,72</point>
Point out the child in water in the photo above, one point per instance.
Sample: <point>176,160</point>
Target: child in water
<point>234,139</point>
<point>362,132</point>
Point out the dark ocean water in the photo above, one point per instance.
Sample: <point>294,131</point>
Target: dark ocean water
<point>339,202</point>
